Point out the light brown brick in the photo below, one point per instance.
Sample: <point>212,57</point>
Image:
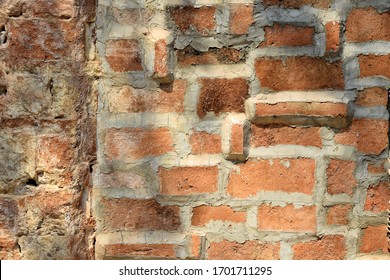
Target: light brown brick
<point>201,215</point>
<point>189,56</point>
<point>329,247</point>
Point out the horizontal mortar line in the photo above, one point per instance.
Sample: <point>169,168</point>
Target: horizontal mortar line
<point>282,151</point>
<point>354,49</point>
<point>376,112</point>
<point>214,71</point>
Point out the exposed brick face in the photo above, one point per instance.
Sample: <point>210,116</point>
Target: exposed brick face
<point>288,35</point>
<point>272,135</point>
<point>332,30</point>
<point>237,139</point>
<point>204,143</point>
<point>139,214</point>
<point>190,56</point>
<point>360,132</point>
<point>289,175</point>
<point>374,65</point>
<point>140,250</point>
<point>290,74</point>
<point>298,3</point>
<point>135,143</point>
<point>222,95</point>
<point>341,178</point>
<point>250,250</point>
<point>287,218</point>
<point>372,97</point>
<point>188,180</point>
<point>124,55</point>
<point>161,59</point>
<point>196,246</point>
<point>367,25</point>
<point>374,240</point>
<point>202,215</point>
<point>241,18</point>
<point>338,214</point>
<point>198,19</point>
<point>8,214</point>
<point>330,247</point>
<point>378,197</point>
<point>167,98</point>
<point>54,152</point>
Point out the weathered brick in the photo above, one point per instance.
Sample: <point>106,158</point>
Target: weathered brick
<point>329,247</point>
<point>374,65</point>
<point>55,8</point>
<point>193,19</point>
<point>202,215</point>
<point>190,56</point>
<point>338,214</point>
<point>8,214</point>
<point>287,218</point>
<point>288,175</point>
<point>188,180</point>
<point>272,135</point>
<point>280,35</point>
<point>196,246</point>
<point>235,132</point>
<point>222,95</point>
<point>205,143</point>
<point>241,18</point>
<point>299,73</point>
<point>332,30</point>
<point>372,97</point>
<point>132,16</point>
<point>378,197</point>
<point>161,61</point>
<point>167,98</point>
<point>9,249</point>
<point>54,152</point>
<point>249,250</point>
<point>143,251</point>
<point>124,55</point>
<point>298,3</point>
<point>139,214</point>
<point>360,134</point>
<point>367,25</point>
<point>135,143</point>
<point>374,240</point>
<point>119,179</point>
<point>341,177</point>
<point>376,168</point>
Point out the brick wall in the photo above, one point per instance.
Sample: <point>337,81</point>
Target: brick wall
<point>231,129</point>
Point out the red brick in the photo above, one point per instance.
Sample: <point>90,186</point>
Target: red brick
<point>332,30</point>
<point>140,251</point>
<point>367,25</point>
<point>54,8</point>
<point>237,139</point>
<point>299,73</point>
<point>188,180</point>
<point>372,97</point>
<point>249,250</point>
<point>241,18</point>
<point>198,19</point>
<point>288,175</point>
<point>298,3</point>
<point>190,56</point>
<point>139,214</point>
<point>338,214</point>
<point>374,240</point>
<point>204,143</point>
<point>135,143</point>
<point>374,65</point>
<point>196,246</point>
<point>222,95</point>
<point>168,98</point>
<point>287,218</point>
<point>54,152</point>
<point>360,134</point>
<point>341,177</point>
<point>280,35</point>
<point>376,168</point>
<point>124,55</point>
<point>161,60</point>
<point>378,197</point>
<point>201,215</point>
<point>272,135</point>
<point>330,247</point>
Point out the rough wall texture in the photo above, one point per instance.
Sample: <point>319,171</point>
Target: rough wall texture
<point>228,129</point>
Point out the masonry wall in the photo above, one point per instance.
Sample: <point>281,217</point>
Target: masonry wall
<point>228,129</point>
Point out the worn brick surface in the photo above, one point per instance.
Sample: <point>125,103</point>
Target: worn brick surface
<point>341,177</point>
<point>288,35</point>
<point>373,239</point>
<point>241,18</point>
<point>374,65</point>
<point>201,215</point>
<point>204,143</point>
<point>124,55</point>
<point>332,30</point>
<point>190,56</point>
<point>140,251</point>
<point>338,214</point>
<point>372,97</point>
<point>329,247</point>
<point>299,3</point>
<point>378,197</point>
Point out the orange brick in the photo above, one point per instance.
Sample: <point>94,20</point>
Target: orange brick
<point>140,251</point>
<point>378,197</point>
<point>341,178</point>
<point>249,250</point>
<point>241,18</point>
<point>289,175</point>
<point>204,143</point>
<point>331,247</point>
<point>338,214</point>
<point>135,143</point>
<point>188,180</point>
<point>201,215</point>
<point>332,30</point>
<point>360,134</point>
<point>288,35</point>
<point>123,55</point>
<point>196,246</point>
<point>161,60</point>
<point>287,218</point>
<point>299,73</point>
<point>372,97</point>
<point>374,240</point>
<point>139,214</point>
<point>374,65</point>
<point>272,135</point>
